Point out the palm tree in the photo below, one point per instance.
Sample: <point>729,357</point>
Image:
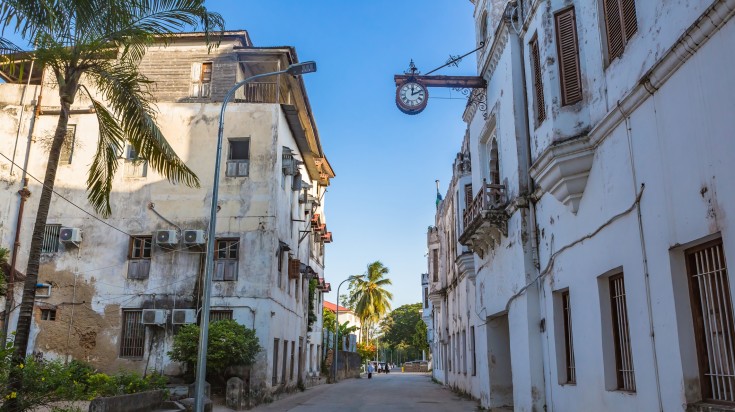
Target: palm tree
<point>99,43</point>
<point>369,297</point>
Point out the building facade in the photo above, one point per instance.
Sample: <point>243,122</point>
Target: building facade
<point>598,224</point>
<point>346,315</point>
<point>113,292</point>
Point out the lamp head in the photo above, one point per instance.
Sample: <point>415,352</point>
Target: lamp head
<point>298,69</point>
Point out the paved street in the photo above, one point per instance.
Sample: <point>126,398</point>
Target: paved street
<point>393,392</point>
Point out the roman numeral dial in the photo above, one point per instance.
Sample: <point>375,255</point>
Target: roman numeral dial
<point>411,97</point>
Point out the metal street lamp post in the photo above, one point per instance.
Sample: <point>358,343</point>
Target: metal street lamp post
<point>336,327</point>
<point>294,70</point>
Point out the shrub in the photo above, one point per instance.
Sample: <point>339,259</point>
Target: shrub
<point>229,344</point>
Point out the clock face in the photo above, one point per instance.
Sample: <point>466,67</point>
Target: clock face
<point>411,97</point>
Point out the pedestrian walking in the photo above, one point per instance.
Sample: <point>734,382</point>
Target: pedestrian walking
<point>370,370</point>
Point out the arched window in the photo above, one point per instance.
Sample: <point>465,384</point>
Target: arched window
<point>494,163</point>
<point>483,27</point>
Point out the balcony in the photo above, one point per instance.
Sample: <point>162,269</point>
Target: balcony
<point>485,220</point>
<point>261,92</point>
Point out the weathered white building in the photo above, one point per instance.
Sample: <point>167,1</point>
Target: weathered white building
<point>598,222</point>
<point>115,291</point>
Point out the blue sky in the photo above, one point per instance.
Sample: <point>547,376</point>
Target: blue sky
<point>383,198</point>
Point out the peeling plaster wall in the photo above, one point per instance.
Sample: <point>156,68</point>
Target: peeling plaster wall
<point>677,143</point>
<point>91,281</point>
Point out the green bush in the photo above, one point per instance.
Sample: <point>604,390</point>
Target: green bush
<point>229,344</point>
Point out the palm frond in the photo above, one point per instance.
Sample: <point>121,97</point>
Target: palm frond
<point>126,92</point>
<point>105,163</point>
<point>26,17</point>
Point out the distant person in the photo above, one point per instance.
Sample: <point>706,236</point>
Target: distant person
<point>387,368</point>
<point>370,370</point>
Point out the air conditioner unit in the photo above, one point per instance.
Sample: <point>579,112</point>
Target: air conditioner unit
<point>70,234</point>
<point>166,237</point>
<point>183,316</point>
<point>154,316</point>
<point>193,237</point>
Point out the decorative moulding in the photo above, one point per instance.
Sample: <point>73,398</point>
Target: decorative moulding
<point>563,169</point>
<point>466,266</point>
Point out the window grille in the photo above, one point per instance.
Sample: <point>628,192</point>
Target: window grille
<point>293,358</point>
<point>621,335</point>
<point>226,259</point>
<point>474,354</point>
<point>132,341</point>
<point>467,195</point>
<point>51,239</point>
<point>568,338</point>
<point>538,85</point>
<point>426,298</point>
<point>620,25</point>
<point>494,163</point>
<point>568,50</point>
<point>713,321</point>
<point>67,150</point>
<point>274,380</point>
<point>217,315</point>
<point>285,361</point>
<point>139,257</point>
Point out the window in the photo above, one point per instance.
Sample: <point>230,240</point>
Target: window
<point>67,150</point>
<point>426,298</point>
<point>226,258</point>
<point>568,50</point>
<point>464,352</point>
<point>51,239</point>
<point>620,25</point>
<point>274,380</point>
<point>281,253</point>
<point>571,373</point>
<point>538,85</point>
<point>134,166</point>
<point>132,341</point>
<point>215,315</point>
<point>293,359</point>
<point>435,264</point>
<point>621,335</point>
<point>139,257</point>
<point>494,163</point>
<point>201,79</point>
<point>483,27</point>
<point>467,196</point>
<point>472,348</point>
<point>238,157</point>
<point>713,320</point>
<point>48,314</point>
<point>285,360</point>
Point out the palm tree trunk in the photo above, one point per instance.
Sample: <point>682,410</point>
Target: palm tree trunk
<point>25,317</point>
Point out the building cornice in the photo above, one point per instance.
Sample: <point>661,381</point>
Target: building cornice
<point>563,168</point>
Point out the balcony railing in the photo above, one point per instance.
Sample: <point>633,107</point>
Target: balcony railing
<point>485,220</point>
<point>265,92</point>
<point>489,197</point>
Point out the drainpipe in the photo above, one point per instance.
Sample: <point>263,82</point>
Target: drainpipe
<point>24,194</point>
<point>9,301</point>
<point>646,273</point>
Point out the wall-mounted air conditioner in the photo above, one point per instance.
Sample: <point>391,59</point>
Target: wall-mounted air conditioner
<point>154,316</point>
<point>167,237</point>
<point>183,316</point>
<point>193,237</point>
<point>70,234</point>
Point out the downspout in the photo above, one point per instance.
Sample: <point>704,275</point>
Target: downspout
<point>24,194</point>
<point>646,273</point>
<point>531,201</point>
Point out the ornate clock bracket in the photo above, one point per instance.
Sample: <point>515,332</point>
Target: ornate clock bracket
<point>460,83</point>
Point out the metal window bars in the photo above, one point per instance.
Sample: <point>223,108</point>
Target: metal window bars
<point>51,239</point>
<point>568,340</point>
<point>132,342</point>
<point>621,331</point>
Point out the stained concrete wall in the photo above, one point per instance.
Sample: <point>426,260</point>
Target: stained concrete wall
<point>90,287</point>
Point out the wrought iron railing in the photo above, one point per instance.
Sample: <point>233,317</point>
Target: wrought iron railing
<point>490,197</point>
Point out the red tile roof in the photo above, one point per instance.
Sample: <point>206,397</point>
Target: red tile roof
<point>331,306</point>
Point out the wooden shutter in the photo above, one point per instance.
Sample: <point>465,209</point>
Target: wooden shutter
<point>621,24</point>
<point>568,49</point>
<point>196,78</point>
<point>538,85</point>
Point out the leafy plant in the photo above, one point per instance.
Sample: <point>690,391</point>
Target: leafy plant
<point>229,344</point>
<point>312,305</point>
